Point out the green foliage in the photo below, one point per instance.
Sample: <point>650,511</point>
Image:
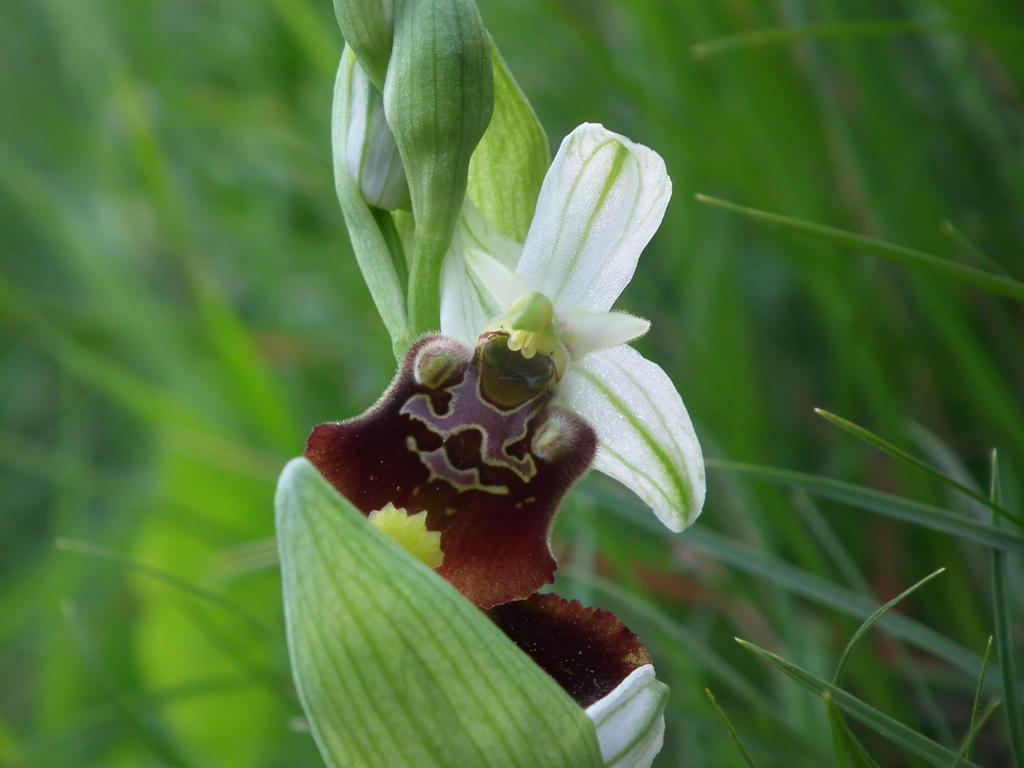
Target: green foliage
<point>179,305</point>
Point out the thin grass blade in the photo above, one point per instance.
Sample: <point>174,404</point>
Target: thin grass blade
<point>849,750</point>
<point>964,753</point>
<point>994,284</point>
<point>872,29</point>
<point>896,507</point>
<point>862,630</point>
<point>907,458</point>
<point>732,731</point>
<point>907,738</point>
<point>978,691</point>
<point>176,582</point>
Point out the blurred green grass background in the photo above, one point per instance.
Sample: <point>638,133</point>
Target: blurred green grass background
<point>179,306</point>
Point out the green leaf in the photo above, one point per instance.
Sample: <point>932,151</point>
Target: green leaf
<point>368,242</point>
<point>907,458</point>
<point>995,284</point>
<point>1005,644</point>
<point>910,740</point>
<point>508,167</point>
<point>862,630</point>
<point>438,97</point>
<point>896,507</point>
<point>393,666</point>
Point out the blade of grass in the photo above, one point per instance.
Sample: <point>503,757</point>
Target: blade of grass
<point>871,29</point>
<point>845,564</point>
<point>862,630</point>
<point>807,585</point>
<point>950,230</point>
<point>907,458</point>
<point>1004,634</point>
<point>732,731</point>
<point>823,592</point>
<point>995,284</point>
<point>846,744</point>
<point>964,753</point>
<point>896,507</point>
<point>978,691</point>
<point>102,553</point>
<point>895,731</point>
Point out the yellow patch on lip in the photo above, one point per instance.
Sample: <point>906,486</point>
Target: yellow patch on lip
<point>410,533</point>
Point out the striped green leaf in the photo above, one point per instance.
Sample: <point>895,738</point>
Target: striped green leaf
<point>393,666</point>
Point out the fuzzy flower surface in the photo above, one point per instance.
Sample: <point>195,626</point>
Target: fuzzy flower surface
<point>602,200</point>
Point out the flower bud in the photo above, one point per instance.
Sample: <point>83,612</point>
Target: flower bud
<point>367,27</point>
<point>370,149</point>
<point>438,96</point>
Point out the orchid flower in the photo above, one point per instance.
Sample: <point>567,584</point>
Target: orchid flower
<point>464,460</point>
<point>601,202</point>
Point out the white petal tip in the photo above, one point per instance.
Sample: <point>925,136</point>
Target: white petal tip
<point>630,722</point>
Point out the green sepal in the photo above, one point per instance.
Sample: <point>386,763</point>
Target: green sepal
<point>366,27</point>
<point>393,666</point>
<point>376,260</point>
<point>438,98</point>
<point>509,164</point>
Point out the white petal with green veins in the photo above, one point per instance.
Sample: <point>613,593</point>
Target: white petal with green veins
<point>393,666</point>
<point>600,204</point>
<point>645,438</point>
<point>630,721</point>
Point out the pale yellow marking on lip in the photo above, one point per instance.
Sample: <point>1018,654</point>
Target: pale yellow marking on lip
<point>410,533</point>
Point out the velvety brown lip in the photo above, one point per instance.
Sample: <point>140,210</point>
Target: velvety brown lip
<point>486,484</point>
<point>588,651</point>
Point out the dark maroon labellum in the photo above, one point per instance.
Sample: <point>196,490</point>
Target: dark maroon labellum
<point>587,651</point>
<point>473,439</point>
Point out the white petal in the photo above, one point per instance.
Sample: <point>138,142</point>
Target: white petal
<point>601,201</point>
<point>584,332</point>
<point>466,306</point>
<point>370,149</point>
<point>500,282</point>
<point>645,438</point>
<point>630,722</point>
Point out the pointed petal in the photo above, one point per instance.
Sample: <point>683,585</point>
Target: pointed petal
<point>489,477</point>
<point>630,720</point>
<point>601,201</point>
<point>588,651</point>
<point>584,332</point>
<point>500,282</point>
<point>645,438</point>
<point>466,305</point>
